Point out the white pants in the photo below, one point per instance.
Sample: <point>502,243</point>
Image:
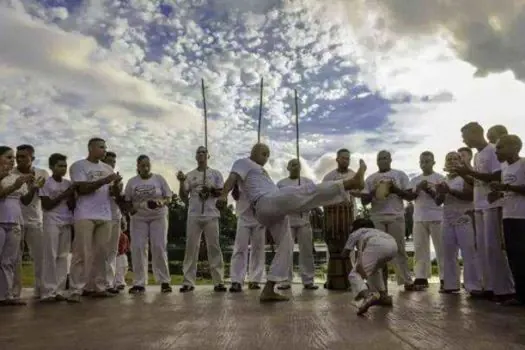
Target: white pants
<point>423,231</point>
<point>303,234</point>
<point>156,232</point>
<point>372,259</point>
<point>271,211</point>
<point>56,246</point>
<point>458,234</point>
<point>121,270</point>
<point>256,235</point>
<point>32,236</point>
<point>195,226</point>
<point>112,250</point>
<point>499,277</point>
<point>88,261</point>
<point>395,226</point>
<point>10,235</point>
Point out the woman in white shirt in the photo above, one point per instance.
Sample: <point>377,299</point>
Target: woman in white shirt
<point>458,231</point>
<point>12,190</point>
<point>149,196</point>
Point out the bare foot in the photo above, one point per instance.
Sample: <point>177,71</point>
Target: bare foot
<point>268,294</point>
<point>272,297</point>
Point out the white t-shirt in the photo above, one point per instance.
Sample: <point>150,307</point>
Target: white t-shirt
<point>193,186</point>
<point>514,203</point>
<point>392,204</point>
<point>32,213</point>
<point>297,220</point>
<point>244,210</point>
<point>139,191</point>
<point>453,207</point>
<point>485,162</point>
<point>61,215</point>
<point>96,205</point>
<point>256,181</point>
<point>335,175</point>
<point>364,234</point>
<point>425,208</point>
<point>11,207</point>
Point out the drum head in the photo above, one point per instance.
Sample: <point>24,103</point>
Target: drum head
<point>383,190</point>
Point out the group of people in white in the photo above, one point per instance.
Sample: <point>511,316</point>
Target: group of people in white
<point>477,209</point>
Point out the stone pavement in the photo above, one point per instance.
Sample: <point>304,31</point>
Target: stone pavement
<point>312,320</point>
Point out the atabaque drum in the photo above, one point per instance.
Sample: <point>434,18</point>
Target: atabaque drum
<point>337,221</point>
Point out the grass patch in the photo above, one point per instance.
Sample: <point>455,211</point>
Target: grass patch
<point>203,275</point>
<point>28,277</point>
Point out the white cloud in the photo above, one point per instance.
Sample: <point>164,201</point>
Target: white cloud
<point>100,70</point>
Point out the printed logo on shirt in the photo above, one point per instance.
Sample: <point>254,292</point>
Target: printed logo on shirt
<point>385,178</point>
<point>145,191</point>
<point>509,179</point>
<point>95,175</point>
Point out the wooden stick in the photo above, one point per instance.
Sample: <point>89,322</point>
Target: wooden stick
<point>205,140</point>
<point>297,132</point>
<point>260,112</point>
<point>297,136</point>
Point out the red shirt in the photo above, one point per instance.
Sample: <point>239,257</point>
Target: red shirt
<point>123,244</point>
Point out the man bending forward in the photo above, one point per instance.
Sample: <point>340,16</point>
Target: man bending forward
<point>374,249</point>
<point>271,206</point>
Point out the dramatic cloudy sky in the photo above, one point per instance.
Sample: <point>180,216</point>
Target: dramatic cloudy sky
<point>399,75</point>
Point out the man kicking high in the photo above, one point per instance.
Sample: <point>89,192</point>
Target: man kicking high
<point>374,249</point>
<point>271,206</point>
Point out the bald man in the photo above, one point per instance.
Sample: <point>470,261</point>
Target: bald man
<point>272,205</point>
<point>301,230</point>
<point>495,132</point>
<point>388,212</point>
<point>512,188</point>
<point>497,277</point>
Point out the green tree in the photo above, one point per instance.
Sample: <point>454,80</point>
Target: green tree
<point>177,221</point>
<point>178,214</point>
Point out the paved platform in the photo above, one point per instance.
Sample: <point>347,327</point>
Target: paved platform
<point>312,320</point>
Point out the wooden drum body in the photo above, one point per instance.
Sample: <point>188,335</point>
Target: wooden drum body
<point>337,222</point>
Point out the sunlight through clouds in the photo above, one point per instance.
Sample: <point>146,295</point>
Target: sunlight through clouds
<point>131,72</point>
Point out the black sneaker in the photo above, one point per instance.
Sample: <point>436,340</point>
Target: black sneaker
<point>121,287</point>
<point>235,288</point>
<point>476,294</point>
<point>185,289</point>
<point>137,290</point>
<point>113,290</point>
<point>220,288</point>
<point>284,287</point>
<point>422,282</point>
<point>311,286</point>
<point>412,287</point>
<point>165,288</point>
<point>449,291</point>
